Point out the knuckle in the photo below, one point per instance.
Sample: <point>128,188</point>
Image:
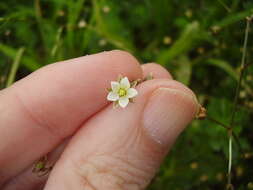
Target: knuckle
<point>110,172</point>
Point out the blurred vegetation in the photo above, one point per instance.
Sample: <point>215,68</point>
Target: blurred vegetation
<point>199,42</point>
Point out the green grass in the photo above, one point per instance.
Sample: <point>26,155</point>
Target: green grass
<point>199,42</point>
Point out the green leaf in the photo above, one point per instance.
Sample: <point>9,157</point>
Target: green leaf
<point>111,27</point>
<point>224,66</point>
<point>183,70</point>
<point>191,36</point>
<point>28,62</point>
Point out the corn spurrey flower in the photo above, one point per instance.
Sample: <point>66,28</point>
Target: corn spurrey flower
<point>122,92</point>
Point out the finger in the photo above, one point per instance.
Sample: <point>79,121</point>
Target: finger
<point>156,70</point>
<point>28,180</point>
<point>123,148</point>
<point>50,104</point>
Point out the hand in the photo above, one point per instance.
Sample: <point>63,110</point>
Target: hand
<point>62,109</point>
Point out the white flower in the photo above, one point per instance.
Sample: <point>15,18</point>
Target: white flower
<point>121,92</point>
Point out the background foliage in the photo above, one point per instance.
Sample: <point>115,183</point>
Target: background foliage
<point>199,42</point>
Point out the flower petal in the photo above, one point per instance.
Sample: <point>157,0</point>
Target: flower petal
<point>131,92</point>
<point>124,83</point>
<point>112,96</point>
<point>123,101</point>
<point>115,86</point>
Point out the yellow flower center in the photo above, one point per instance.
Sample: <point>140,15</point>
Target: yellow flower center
<point>122,92</point>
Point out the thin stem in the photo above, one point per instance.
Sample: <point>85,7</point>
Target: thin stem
<point>241,73</point>
<point>224,5</point>
<point>230,134</point>
<point>57,42</point>
<point>39,19</point>
<point>218,122</point>
<point>230,154</point>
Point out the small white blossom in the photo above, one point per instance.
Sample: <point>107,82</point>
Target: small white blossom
<point>82,24</point>
<point>121,92</point>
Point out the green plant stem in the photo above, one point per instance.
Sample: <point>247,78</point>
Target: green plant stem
<point>230,153</point>
<point>57,42</point>
<point>39,20</point>
<point>14,67</point>
<point>242,68</point>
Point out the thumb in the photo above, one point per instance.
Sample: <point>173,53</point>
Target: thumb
<point>123,148</point>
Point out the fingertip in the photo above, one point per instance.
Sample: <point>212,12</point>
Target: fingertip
<point>168,111</point>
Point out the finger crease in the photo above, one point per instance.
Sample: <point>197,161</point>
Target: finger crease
<point>37,121</point>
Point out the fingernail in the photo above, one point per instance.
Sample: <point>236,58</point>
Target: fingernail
<point>167,113</point>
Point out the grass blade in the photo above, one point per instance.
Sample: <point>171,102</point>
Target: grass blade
<point>28,62</point>
<point>14,67</point>
<point>233,18</point>
<point>188,39</point>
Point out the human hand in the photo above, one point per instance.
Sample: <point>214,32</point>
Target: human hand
<point>62,109</point>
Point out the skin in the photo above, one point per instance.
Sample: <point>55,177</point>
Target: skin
<point>62,110</point>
